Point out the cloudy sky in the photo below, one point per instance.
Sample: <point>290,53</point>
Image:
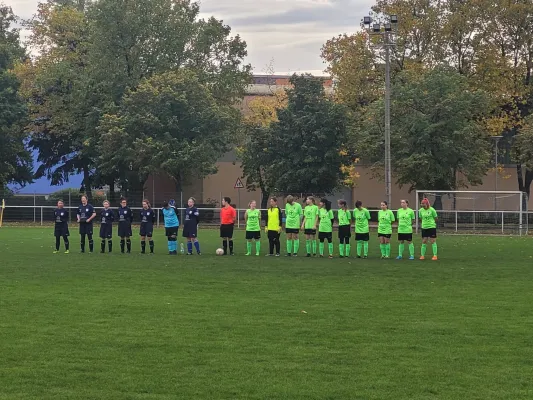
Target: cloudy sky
<point>288,32</point>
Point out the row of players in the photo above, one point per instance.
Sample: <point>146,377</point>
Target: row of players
<point>294,218</point>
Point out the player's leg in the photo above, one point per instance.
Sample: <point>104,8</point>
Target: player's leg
<point>321,244</point>
<point>434,248</point>
<point>347,246</point>
<point>82,239</point>
<point>296,243</point>
<point>67,243</point>
<point>411,249</point>
<point>91,241</point>
<point>330,245</point>
<point>387,247</point>
<point>365,246</point>
<point>143,244</point>
<point>271,242</point>
<point>248,237</point>
<point>341,243</point>
<point>128,243</point>
<point>423,249</point>
<point>102,238</point>
<point>277,243</point>
<point>382,246</point>
<point>230,241</point>
<point>225,245</point>
<point>308,244</point>
<point>289,244</point>
<point>257,243</point>
<point>122,245</point>
<point>110,239</point>
<point>170,246</point>
<point>401,247</point>
<point>58,242</point>
<point>189,246</point>
<point>151,242</point>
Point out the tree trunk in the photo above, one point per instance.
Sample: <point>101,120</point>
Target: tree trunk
<point>87,184</point>
<point>112,195</point>
<point>524,183</point>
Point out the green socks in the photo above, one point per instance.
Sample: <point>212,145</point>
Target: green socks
<point>435,249</point>
<point>321,248</point>
<point>401,248</point>
<point>296,246</point>
<point>248,248</point>
<point>348,250</point>
<point>412,250</point>
<point>365,249</point>
<point>308,246</point>
<point>289,246</point>
<point>387,247</point>
<point>330,249</point>
<point>341,250</point>
<point>313,246</point>
<point>423,250</point>
<point>257,248</point>
<point>382,249</point>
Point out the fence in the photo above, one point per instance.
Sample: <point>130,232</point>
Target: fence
<point>459,221</point>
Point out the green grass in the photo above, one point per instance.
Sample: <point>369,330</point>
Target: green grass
<point>118,327</point>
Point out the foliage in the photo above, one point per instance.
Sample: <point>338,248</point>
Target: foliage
<point>305,153</point>
<point>437,140</point>
<point>171,123</point>
<point>15,160</point>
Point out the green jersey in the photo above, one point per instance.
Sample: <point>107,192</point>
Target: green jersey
<point>325,217</point>
<point>345,217</point>
<point>293,214</point>
<point>252,220</point>
<point>310,214</point>
<point>428,217</point>
<point>385,218</point>
<point>405,220</point>
<point>361,217</point>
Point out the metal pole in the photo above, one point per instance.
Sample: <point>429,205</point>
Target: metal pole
<point>388,177</point>
<point>521,209</point>
<point>34,208</point>
<point>41,216</point>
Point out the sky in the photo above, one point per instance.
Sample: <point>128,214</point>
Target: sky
<point>286,34</point>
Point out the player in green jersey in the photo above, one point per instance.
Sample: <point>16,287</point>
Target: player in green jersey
<point>362,229</point>
<point>405,217</point>
<point>252,218</point>
<point>429,218</point>
<point>309,225</point>
<point>325,227</point>
<point>385,220</point>
<point>345,233</point>
<point>293,221</point>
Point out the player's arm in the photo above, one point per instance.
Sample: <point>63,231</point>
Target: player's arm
<point>197,215</point>
<point>93,216</point>
<point>78,216</point>
<point>435,215</point>
<point>332,217</point>
<point>245,216</point>
<point>153,218</point>
<point>130,215</point>
<point>303,222</point>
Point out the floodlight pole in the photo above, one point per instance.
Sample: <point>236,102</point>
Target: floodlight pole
<point>388,166</point>
<point>496,141</point>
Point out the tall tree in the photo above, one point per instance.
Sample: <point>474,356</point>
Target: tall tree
<point>15,160</point>
<point>305,153</point>
<point>437,139</point>
<point>171,123</point>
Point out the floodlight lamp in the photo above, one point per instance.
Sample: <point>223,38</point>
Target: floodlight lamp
<point>367,21</point>
<point>376,28</point>
<point>393,19</point>
<point>388,27</point>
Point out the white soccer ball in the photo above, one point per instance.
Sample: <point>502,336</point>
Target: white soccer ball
<point>220,252</point>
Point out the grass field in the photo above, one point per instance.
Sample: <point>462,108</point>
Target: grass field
<point>119,327</point>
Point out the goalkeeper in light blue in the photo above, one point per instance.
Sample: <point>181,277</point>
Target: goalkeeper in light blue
<point>171,226</point>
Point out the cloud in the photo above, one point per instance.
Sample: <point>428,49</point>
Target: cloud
<point>289,32</point>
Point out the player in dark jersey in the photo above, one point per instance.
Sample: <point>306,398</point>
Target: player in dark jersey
<point>85,217</point>
<point>147,226</point>
<point>106,227</point>
<point>190,229</point>
<point>61,226</point>
<point>125,219</point>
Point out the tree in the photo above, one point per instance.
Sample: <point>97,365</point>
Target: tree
<point>256,139</point>
<point>305,153</point>
<point>170,123</point>
<point>15,160</point>
<point>438,141</point>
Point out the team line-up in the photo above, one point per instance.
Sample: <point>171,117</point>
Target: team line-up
<point>312,219</point>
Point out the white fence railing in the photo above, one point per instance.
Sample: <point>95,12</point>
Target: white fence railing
<point>456,221</point>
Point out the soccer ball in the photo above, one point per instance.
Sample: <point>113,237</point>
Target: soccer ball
<point>220,252</point>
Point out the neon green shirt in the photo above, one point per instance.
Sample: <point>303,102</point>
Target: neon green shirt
<point>310,214</point>
<point>361,220</point>
<point>252,220</point>
<point>345,217</point>
<point>293,214</point>
<point>428,218</point>
<point>325,217</point>
<point>405,220</point>
<point>385,218</point>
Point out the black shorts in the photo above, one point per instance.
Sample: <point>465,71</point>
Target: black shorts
<point>253,235</point>
<point>124,229</point>
<point>311,232</point>
<point>385,235</point>
<point>172,231</point>
<point>292,230</point>
<point>407,237</point>
<point>345,232</point>
<point>362,237</point>
<point>106,231</point>
<point>325,236</point>
<point>61,230</point>
<point>429,233</point>
<point>146,230</point>
<point>226,231</point>
<point>273,235</point>
<point>86,228</point>
<point>190,231</point>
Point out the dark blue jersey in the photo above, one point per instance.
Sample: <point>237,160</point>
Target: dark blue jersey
<point>61,216</point>
<point>85,212</point>
<point>192,217</point>
<point>107,216</point>
<point>125,215</point>
<point>147,216</point>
